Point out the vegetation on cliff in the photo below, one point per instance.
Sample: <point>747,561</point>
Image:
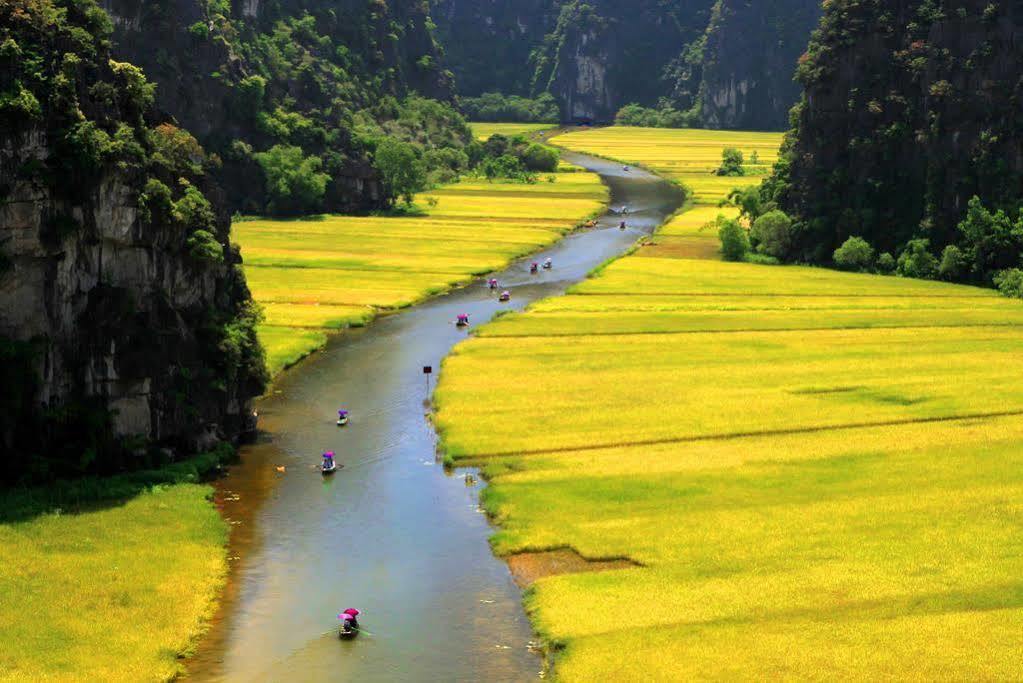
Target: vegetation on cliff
<point>908,138</point>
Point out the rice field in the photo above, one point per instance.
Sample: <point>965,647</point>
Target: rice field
<point>316,276</point>
<point>114,594</point>
<point>483,131</point>
<point>817,473</point>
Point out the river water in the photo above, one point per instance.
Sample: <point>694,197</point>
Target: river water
<point>392,533</point>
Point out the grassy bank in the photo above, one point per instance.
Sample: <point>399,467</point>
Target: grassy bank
<point>316,276</point>
<point>483,131</point>
<point>115,593</point>
<point>817,470</point>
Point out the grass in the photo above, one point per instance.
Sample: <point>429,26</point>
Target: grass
<point>114,594</point>
<point>819,472</point>
<point>316,276</point>
<point>483,131</point>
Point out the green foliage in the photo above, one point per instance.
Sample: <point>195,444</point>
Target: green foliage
<point>732,161</point>
<point>495,107</point>
<point>540,158</point>
<point>885,264</point>
<point>854,254</point>
<point>734,240</point>
<point>772,234</point>
<point>155,201</point>
<point>663,117</point>
<point>750,202</point>
<point>954,263</point>
<point>916,260</point>
<point>19,103</point>
<point>133,81</point>
<point>193,210</point>
<point>403,172</point>
<point>992,241</point>
<point>1010,282</point>
<point>203,246</point>
<point>294,183</point>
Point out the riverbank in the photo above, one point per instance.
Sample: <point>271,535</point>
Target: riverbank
<point>802,462</point>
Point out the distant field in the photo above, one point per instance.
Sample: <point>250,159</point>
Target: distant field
<point>114,594</point>
<point>819,472</point>
<point>313,276</point>
<point>483,131</point>
<point>689,156</point>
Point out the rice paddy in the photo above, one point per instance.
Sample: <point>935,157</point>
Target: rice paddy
<point>114,594</point>
<point>819,472</point>
<point>316,276</point>
<point>483,131</point>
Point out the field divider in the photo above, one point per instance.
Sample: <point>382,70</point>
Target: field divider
<point>726,436</point>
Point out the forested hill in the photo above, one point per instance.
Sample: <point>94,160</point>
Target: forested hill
<point>720,63</point>
<point>911,108</point>
<point>320,80</point>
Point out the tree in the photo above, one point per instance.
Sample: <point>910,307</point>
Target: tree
<point>916,260</point>
<point>731,162</point>
<point>294,184</point>
<point>750,202</point>
<point>772,234</point>
<point>885,264</point>
<point>992,240</point>
<point>734,240</point>
<point>854,254</point>
<point>403,172</point>
<point>540,158</point>
<point>954,263</point>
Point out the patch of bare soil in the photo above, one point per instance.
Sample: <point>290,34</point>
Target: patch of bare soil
<point>529,567</point>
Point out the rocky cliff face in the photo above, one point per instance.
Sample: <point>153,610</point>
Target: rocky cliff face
<point>125,321</point>
<point>749,62</point>
<point>911,107</point>
<point>249,74</point>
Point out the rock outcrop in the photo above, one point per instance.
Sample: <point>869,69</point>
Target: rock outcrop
<point>911,107</point>
<point>749,62</point>
<point>126,327</point>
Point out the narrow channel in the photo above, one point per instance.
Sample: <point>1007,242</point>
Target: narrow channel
<point>392,533</point>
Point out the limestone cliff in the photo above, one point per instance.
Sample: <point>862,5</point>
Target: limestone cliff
<point>749,62</point>
<point>126,328</point>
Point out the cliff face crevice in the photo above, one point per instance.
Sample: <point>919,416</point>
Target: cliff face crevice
<point>911,107</point>
<point>126,327</point>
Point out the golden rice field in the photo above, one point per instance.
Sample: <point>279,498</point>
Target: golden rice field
<point>98,600</point>
<point>315,276</point>
<point>483,131</point>
<point>819,471</point>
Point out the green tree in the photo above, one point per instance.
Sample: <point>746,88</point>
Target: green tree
<point>403,172</point>
<point>734,240</point>
<point>885,264</point>
<point>854,254</point>
<point>954,263</point>
<point>992,241</point>
<point>916,260</point>
<point>294,183</point>
<point>731,162</point>
<point>772,234</point>
<point>539,158</point>
<point>750,202</point>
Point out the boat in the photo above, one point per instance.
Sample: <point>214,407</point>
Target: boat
<point>463,320</point>
<point>505,296</point>
<point>548,264</point>
<point>342,418</point>
<point>327,470</point>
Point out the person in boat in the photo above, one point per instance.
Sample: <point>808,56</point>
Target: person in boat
<point>534,268</point>
<point>328,460</point>
<point>622,226</point>
<point>463,319</point>
<point>505,296</point>
<point>625,168</point>
<point>493,283</point>
<point>548,264</point>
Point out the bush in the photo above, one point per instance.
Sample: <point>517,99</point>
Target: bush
<point>885,264</point>
<point>664,117</point>
<point>1010,282</point>
<point>772,234</point>
<point>294,183</point>
<point>511,108</point>
<point>854,254</point>
<point>954,263</point>
<point>204,247</point>
<point>403,173</point>
<point>916,260</point>
<point>731,162</point>
<point>504,166</point>
<point>734,240</point>
<point>540,158</point>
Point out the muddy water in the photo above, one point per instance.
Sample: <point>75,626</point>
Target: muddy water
<point>391,534</point>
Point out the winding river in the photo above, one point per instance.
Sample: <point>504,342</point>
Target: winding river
<point>392,533</point>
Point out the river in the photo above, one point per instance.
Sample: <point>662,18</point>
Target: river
<point>392,533</point>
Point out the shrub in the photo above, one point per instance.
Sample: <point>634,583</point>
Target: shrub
<point>885,264</point>
<point>954,263</point>
<point>916,260</point>
<point>540,158</point>
<point>204,247</point>
<point>772,234</point>
<point>854,254</point>
<point>1010,282</point>
<point>734,240</point>
<point>731,162</point>
<point>512,108</point>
